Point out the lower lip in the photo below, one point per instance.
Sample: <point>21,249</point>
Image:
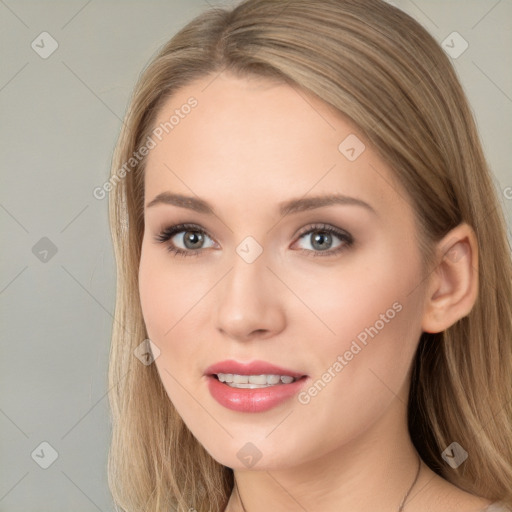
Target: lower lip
<point>252,400</point>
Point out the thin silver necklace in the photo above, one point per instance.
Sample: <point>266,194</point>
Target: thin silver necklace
<point>400,508</point>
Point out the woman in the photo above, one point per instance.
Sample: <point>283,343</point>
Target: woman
<point>339,338</point>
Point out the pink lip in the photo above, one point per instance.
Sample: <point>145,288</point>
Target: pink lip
<point>252,400</point>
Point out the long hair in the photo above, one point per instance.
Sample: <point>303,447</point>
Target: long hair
<point>381,69</point>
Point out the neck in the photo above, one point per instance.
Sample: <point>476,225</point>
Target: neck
<point>374,471</point>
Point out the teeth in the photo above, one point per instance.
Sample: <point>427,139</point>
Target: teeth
<point>273,379</point>
<point>254,381</point>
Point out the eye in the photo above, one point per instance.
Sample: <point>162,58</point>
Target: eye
<point>190,236</point>
<point>320,238</point>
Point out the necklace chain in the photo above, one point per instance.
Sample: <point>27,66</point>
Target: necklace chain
<point>400,508</point>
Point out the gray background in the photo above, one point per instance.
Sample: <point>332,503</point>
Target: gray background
<point>60,120</point>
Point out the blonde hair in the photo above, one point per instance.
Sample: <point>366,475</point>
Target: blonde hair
<point>381,69</point>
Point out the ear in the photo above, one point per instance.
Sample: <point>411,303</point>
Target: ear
<point>453,285</point>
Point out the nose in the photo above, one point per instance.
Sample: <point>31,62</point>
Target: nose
<point>249,301</point>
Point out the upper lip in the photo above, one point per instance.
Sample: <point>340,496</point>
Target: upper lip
<point>252,368</point>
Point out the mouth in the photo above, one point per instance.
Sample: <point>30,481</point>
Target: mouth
<point>252,387</point>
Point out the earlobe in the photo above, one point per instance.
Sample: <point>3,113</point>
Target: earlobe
<point>453,284</point>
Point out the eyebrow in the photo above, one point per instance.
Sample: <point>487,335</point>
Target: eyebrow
<point>285,208</point>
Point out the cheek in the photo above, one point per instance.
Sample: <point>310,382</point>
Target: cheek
<point>373,312</point>
<point>174,305</point>
<point>155,300</point>
<point>165,291</point>
<point>172,297</point>
<point>361,370</point>
<point>366,285</point>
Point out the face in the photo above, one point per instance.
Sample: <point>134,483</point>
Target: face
<point>329,292</point>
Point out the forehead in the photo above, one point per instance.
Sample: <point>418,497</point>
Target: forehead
<point>254,138</point>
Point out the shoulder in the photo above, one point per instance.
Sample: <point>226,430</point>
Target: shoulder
<point>440,495</point>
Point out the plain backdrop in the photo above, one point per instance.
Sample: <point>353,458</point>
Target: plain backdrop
<point>60,118</point>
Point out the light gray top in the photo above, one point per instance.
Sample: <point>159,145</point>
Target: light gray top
<point>497,507</point>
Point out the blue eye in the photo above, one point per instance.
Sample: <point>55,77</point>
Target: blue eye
<point>194,236</point>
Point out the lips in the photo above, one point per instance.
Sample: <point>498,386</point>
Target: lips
<point>252,400</point>
<point>252,368</point>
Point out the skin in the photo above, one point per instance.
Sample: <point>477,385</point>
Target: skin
<point>248,145</point>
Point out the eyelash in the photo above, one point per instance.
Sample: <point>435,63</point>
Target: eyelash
<point>167,233</point>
